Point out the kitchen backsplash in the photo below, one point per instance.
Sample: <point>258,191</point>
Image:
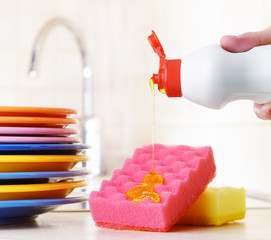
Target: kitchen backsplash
<point>122,63</point>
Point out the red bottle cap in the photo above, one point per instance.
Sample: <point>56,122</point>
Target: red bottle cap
<point>168,77</point>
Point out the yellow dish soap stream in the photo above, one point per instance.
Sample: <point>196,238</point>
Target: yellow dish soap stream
<point>146,188</point>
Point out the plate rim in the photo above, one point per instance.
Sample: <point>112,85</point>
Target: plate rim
<point>41,146</point>
<point>32,109</point>
<point>41,202</point>
<point>42,158</point>
<point>45,174</point>
<point>41,187</point>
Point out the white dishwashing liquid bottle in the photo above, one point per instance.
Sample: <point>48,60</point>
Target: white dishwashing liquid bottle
<point>213,77</point>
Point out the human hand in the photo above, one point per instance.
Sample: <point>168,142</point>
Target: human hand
<point>243,43</point>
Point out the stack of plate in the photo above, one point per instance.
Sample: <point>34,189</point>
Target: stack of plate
<point>38,149</point>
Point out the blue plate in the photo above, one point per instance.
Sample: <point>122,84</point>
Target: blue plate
<point>11,178</point>
<point>28,175</point>
<point>42,149</point>
<point>18,211</point>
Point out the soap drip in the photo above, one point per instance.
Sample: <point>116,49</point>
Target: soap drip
<point>146,188</point>
<point>153,119</point>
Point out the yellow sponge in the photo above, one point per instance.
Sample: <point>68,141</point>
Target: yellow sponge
<point>216,206</point>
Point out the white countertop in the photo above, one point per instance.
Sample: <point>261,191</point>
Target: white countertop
<point>79,225</point>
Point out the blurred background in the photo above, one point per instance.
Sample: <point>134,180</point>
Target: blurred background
<point>122,62</point>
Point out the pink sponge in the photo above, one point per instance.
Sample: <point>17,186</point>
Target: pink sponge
<point>186,172</point>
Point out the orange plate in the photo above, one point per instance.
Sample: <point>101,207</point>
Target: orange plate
<point>36,121</point>
<point>37,163</point>
<point>38,191</point>
<point>36,111</point>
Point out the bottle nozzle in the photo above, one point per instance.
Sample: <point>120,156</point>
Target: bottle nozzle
<point>168,77</point>
<point>154,78</point>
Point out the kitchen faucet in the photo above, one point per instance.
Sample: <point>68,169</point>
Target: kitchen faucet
<point>90,126</point>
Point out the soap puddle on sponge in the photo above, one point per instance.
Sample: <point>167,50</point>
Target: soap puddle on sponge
<point>146,188</point>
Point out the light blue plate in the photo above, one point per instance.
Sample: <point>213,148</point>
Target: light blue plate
<point>31,175</point>
<point>18,211</point>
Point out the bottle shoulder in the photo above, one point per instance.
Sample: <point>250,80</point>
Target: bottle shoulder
<point>207,51</point>
<point>213,76</point>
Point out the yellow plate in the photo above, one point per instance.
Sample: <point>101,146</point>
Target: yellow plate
<point>38,191</point>
<point>36,163</point>
<point>36,111</point>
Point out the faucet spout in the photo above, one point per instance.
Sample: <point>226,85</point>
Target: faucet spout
<point>86,71</point>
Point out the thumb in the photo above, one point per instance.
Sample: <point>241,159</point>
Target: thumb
<point>246,41</point>
<point>263,111</point>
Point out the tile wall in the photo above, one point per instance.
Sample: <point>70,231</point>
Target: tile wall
<point>122,62</point>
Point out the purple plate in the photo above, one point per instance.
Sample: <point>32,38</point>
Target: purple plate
<point>27,139</point>
<point>37,131</point>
